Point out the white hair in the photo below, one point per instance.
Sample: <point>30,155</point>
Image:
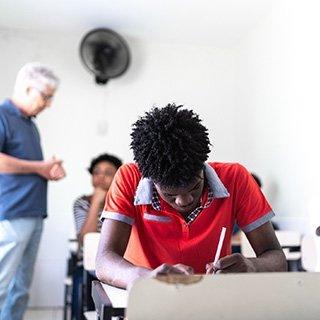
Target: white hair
<point>36,75</point>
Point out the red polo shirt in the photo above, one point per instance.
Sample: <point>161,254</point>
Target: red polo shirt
<point>163,236</point>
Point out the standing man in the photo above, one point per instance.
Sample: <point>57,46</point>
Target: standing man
<point>165,213</point>
<point>23,185</point>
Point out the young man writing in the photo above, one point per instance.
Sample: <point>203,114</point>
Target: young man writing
<point>164,213</point>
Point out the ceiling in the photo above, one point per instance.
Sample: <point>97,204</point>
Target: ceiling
<point>208,22</point>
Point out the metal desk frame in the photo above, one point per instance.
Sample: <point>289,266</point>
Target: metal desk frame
<point>103,305</point>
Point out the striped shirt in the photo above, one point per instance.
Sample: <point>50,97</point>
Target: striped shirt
<point>80,212</point>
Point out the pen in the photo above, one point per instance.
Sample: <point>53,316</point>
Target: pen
<point>222,234</point>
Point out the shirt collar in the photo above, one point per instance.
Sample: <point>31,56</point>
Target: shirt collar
<point>13,108</point>
<point>145,187</point>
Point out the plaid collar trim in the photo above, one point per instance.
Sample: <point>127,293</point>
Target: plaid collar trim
<point>145,189</point>
<point>155,202</point>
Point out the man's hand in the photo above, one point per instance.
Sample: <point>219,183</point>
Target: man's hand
<point>57,172</point>
<point>166,269</point>
<point>233,263</point>
<point>51,169</point>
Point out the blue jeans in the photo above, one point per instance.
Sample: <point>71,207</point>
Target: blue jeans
<point>19,244</point>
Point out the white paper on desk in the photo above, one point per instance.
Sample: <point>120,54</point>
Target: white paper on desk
<point>118,297</point>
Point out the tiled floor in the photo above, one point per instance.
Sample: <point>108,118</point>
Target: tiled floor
<point>44,314</point>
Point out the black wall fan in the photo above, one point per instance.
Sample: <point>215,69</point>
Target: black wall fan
<point>105,54</point>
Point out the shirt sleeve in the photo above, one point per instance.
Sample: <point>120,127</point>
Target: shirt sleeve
<point>80,212</point>
<point>252,208</point>
<point>120,199</point>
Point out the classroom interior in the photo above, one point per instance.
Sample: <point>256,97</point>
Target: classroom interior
<point>249,68</point>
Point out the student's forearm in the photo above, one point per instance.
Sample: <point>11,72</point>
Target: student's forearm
<point>10,164</point>
<point>272,260</point>
<point>114,270</point>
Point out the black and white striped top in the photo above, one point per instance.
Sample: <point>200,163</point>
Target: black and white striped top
<point>81,208</point>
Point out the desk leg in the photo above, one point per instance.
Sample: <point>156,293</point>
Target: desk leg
<point>102,302</point>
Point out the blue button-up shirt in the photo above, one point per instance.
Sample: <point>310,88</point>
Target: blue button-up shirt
<point>21,195</point>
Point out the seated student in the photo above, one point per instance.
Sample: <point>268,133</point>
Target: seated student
<point>87,210</point>
<point>164,213</point>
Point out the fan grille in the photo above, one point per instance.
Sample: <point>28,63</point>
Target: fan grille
<point>105,54</point>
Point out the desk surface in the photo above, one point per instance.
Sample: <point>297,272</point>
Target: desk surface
<point>254,296</point>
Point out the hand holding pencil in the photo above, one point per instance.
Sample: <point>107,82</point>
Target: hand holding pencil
<point>229,264</point>
<point>210,267</point>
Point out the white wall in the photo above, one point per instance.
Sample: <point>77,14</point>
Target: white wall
<point>86,119</point>
<point>278,109</point>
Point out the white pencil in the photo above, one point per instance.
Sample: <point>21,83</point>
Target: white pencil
<point>222,234</point>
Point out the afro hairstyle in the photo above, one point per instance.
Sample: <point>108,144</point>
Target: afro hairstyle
<point>170,145</point>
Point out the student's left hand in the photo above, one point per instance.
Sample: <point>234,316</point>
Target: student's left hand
<point>166,269</point>
<point>231,264</point>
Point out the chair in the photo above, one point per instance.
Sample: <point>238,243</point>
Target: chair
<point>68,280</point>
<point>310,253</point>
<point>77,297</point>
<point>90,248</point>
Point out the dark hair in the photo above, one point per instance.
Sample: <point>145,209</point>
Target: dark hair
<point>170,145</point>
<point>104,157</point>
